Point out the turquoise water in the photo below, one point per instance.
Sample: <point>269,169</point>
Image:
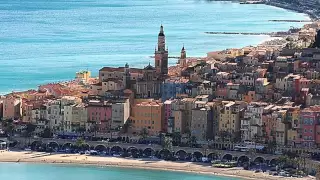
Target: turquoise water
<point>45,41</point>
<point>15,171</point>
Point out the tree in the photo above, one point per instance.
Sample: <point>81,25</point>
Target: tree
<point>167,143</point>
<point>192,141</point>
<point>80,143</point>
<point>46,133</point>
<point>28,131</point>
<point>176,138</point>
<point>144,133</point>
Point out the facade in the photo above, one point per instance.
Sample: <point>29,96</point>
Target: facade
<point>168,116</point>
<point>149,86</point>
<point>120,113</point>
<point>173,87</point>
<point>12,107</point>
<point>252,122</point>
<point>99,116</point>
<point>230,116</point>
<point>202,123</point>
<point>147,114</point>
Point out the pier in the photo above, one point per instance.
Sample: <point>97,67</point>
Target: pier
<point>273,34</point>
<point>290,20</point>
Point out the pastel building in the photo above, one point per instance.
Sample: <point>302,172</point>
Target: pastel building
<point>309,119</point>
<point>171,88</point>
<point>54,115</point>
<point>168,116</point>
<point>120,113</point>
<point>147,114</point>
<point>202,123</point>
<point>12,107</point>
<point>99,116</point>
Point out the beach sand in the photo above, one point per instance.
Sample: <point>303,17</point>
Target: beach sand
<point>40,157</point>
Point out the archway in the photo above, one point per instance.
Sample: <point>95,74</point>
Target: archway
<point>101,148</point>
<point>181,155</point>
<point>243,159</point>
<point>148,152</point>
<point>273,162</point>
<point>13,144</point>
<point>36,145</point>
<point>67,146</point>
<point>116,150</point>
<point>164,154</point>
<point>212,156</point>
<point>259,160</point>
<point>227,157</point>
<point>197,156</point>
<point>84,147</point>
<point>133,151</point>
<point>53,145</point>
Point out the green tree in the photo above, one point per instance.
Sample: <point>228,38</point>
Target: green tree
<point>28,131</point>
<point>144,133</point>
<point>80,142</point>
<point>192,141</point>
<point>46,133</point>
<point>167,143</point>
<point>176,138</point>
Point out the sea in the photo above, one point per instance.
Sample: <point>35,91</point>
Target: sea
<point>44,41</point>
<point>23,171</point>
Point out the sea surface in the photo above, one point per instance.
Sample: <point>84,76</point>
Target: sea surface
<point>45,41</point>
<point>21,171</point>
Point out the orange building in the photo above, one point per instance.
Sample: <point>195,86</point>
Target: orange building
<point>149,114</point>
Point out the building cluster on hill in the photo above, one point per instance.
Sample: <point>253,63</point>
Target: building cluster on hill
<point>268,93</point>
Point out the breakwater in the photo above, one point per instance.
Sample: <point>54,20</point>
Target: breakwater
<point>280,20</point>
<point>273,34</point>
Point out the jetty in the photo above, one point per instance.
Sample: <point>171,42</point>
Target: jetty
<point>290,20</point>
<point>273,34</point>
<point>170,57</point>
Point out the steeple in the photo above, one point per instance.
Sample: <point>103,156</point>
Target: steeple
<point>183,54</point>
<point>161,54</point>
<point>183,58</point>
<point>161,33</point>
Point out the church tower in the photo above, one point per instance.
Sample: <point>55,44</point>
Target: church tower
<point>183,58</point>
<point>161,54</point>
<point>126,77</point>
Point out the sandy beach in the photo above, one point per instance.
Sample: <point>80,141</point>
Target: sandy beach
<point>39,157</point>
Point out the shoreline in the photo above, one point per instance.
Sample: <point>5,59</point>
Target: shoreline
<point>146,164</point>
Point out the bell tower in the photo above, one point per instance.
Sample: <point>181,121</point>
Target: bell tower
<point>183,58</point>
<point>161,54</point>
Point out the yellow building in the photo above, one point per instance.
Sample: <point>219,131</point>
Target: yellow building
<point>83,76</point>
<point>230,115</point>
<point>148,114</point>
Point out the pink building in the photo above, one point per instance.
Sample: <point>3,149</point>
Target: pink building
<point>269,123</point>
<point>12,107</point>
<point>309,120</point>
<point>221,91</point>
<point>99,116</point>
<point>168,116</point>
<point>1,108</point>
